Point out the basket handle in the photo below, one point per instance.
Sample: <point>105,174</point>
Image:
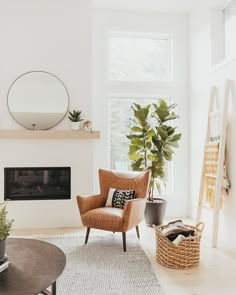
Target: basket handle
<point>200,226</point>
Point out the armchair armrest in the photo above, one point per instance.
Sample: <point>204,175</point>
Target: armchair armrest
<point>133,212</point>
<point>86,203</point>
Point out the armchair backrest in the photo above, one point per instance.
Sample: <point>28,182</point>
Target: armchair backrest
<point>124,180</point>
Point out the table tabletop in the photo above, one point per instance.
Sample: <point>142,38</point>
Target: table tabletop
<point>34,266</point>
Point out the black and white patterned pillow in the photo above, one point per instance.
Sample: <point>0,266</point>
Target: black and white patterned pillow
<point>117,198</point>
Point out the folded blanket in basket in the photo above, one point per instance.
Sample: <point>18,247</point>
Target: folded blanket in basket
<point>176,228</point>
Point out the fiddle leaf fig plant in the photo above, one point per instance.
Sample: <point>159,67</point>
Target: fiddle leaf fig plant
<point>5,224</point>
<point>75,116</point>
<point>153,140</point>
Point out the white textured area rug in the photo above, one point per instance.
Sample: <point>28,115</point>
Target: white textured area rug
<point>102,268</point>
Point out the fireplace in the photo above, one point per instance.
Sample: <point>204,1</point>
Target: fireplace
<point>37,183</point>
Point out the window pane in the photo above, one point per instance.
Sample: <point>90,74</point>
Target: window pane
<point>120,124</point>
<point>139,59</point>
<point>229,29</point>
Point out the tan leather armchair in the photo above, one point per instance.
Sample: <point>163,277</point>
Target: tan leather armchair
<point>94,214</point>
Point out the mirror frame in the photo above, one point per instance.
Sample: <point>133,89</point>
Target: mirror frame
<point>38,71</point>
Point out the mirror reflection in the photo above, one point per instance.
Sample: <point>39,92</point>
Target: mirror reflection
<point>38,100</point>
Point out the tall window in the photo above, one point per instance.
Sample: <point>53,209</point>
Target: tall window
<point>134,59</point>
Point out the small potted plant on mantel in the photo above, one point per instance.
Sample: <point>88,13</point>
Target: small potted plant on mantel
<point>5,228</point>
<point>152,144</point>
<point>75,118</point>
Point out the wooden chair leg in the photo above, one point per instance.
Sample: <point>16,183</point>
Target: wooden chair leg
<point>87,235</point>
<point>137,231</point>
<point>124,241</point>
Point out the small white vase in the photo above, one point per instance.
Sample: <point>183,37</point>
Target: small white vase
<point>75,125</point>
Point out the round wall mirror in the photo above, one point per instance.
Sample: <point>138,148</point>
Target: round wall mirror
<point>38,100</point>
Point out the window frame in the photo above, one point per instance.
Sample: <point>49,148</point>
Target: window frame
<point>218,53</point>
<point>140,90</point>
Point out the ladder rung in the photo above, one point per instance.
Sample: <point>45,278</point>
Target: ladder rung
<point>211,175</point>
<point>212,142</point>
<point>206,207</point>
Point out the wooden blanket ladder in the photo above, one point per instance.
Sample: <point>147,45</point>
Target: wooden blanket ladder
<point>213,168</point>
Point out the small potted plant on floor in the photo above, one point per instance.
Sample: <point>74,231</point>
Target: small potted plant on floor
<point>5,228</point>
<point>152,144</point>
<point>75,118</point>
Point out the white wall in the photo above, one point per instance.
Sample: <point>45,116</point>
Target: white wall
<point>53,36</point>
<point>174,24</point>
<point>202,78</point>
<point>200,65</point>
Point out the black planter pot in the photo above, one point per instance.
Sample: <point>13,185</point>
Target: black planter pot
<point>155,211</point>
<point>2,248</point>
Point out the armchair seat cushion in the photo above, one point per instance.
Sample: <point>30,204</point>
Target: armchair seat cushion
<point>106,218</point>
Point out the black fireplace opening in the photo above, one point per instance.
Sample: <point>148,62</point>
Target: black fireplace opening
<point>37,183</point>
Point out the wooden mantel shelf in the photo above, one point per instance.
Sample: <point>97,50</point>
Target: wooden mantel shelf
<point>48,134</point>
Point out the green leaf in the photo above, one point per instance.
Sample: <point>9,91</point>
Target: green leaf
<point>137,141</point>
<point>131,136</point>
<point>135,157</point>
<point>150,133</point>
<point>172,106</point>
<point>156,141</point>
<point>5,224</point>
<point>175,137</point>
<point>160,173</point>
<point>163,104</point>
<point>136,129</point>
<point>163,133</point>
<point>138,107</point>
<point>170,117</point>
<point>162,113</point>
<point>151,157</point>
<point>133,148</point>
<point>173,144</point>
<point>167,152</point>
<point>169,129</point>
<point>141,114</point>
<point>148,145</point>
<point>136,165</point>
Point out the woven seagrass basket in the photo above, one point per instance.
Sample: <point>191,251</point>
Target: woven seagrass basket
<point>182,256</point>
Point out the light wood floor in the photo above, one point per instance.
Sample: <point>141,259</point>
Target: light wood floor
<point>216,274</point>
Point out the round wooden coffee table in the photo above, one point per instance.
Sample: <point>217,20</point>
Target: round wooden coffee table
<point>34,266</point>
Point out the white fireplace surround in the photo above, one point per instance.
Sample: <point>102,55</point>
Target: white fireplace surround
<point>48,213</point>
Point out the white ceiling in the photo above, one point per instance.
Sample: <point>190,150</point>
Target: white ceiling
<point>159,5</point>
